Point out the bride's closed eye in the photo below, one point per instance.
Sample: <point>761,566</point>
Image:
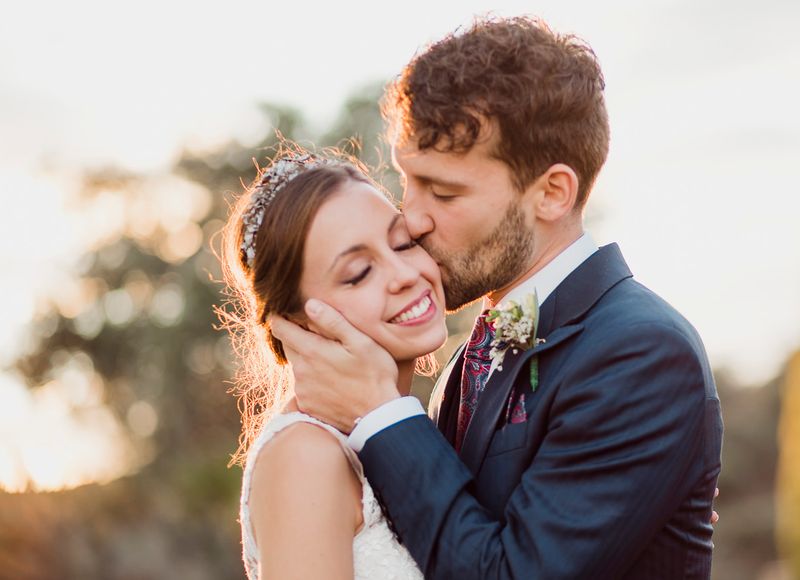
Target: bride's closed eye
<point>363,274</point>
<point>359,277</point>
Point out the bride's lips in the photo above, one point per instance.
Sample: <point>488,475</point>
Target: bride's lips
<point>417,312</point>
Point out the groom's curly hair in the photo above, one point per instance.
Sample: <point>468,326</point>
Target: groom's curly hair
<point>543,90</point>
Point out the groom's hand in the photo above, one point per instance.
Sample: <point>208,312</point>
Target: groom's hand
<point>340,373</point>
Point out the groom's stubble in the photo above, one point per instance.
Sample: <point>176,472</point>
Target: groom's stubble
<point>486,265</point>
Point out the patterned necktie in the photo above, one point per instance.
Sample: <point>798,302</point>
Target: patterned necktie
<point>474,374</point>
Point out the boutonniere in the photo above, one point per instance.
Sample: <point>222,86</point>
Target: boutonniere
<point>515,326</point>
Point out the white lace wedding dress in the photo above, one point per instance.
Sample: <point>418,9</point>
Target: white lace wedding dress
<point>377,555</point>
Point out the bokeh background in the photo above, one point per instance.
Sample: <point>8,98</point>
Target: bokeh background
<point>125,130</point>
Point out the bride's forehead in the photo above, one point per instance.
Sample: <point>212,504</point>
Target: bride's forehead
<point>354,215</point>
<point>361,198</point>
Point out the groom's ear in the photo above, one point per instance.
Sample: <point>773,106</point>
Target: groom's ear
<point>559,187</point>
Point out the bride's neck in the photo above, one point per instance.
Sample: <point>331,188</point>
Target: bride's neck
<point>405,374</point>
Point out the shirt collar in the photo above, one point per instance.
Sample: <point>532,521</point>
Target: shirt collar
<point>548,278</point>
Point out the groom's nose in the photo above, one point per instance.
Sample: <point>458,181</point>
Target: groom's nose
<point>418,219</point>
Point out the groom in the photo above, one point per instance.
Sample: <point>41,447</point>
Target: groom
<point>594,453</point>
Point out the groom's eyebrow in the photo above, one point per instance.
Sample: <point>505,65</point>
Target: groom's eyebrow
<point>427,180</point>
<point>362,247</point>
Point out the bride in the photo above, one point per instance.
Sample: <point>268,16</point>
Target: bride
<point>317,227</point>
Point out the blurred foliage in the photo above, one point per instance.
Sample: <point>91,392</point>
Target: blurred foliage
<point>743,538</point>
<point>146,322</point>
<point>788,509</point>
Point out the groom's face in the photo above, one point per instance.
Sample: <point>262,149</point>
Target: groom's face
<point>464,210</point>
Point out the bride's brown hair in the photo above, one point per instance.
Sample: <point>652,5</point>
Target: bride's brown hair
<point>272,284</point>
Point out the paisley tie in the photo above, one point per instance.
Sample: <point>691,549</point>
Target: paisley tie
<point>474,374</point>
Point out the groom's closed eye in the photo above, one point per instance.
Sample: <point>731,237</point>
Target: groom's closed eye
<point>442,189</point>
<point>442,197</point>
<point>407,246</point>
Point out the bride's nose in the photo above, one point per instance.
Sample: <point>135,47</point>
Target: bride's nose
<point>403,274</point>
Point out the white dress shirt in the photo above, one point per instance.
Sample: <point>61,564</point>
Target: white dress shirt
<point>542,282</point>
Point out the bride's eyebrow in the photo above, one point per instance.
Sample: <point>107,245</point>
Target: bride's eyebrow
<point>350,250</point>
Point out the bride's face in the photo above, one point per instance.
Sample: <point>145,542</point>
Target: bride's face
<point>360,259</point>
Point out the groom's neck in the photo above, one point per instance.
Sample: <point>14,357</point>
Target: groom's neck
<point>545,251</point>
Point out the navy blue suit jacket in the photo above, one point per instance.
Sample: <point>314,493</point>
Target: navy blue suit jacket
<point>611,476</point>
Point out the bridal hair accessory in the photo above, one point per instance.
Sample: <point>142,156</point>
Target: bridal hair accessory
<point>271,181</point>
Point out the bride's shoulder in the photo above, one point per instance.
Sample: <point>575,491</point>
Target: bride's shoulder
<point>300,446</point>
<point>300,454</point>
<point>303,460</point>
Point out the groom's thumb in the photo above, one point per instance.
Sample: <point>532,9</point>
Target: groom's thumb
<point>327,321</point>
<point>313,308</point>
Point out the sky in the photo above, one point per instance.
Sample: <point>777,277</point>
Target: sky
<point>700,188</point>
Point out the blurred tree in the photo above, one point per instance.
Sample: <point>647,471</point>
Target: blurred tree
<point>743,538</point>
<point>788,496</point>
<point>164,349</point>
<point>143,314</point>
<point>360,123</point>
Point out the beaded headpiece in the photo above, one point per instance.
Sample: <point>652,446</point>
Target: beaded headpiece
<point>271,181</point>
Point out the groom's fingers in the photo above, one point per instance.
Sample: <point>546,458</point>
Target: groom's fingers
<point>714,514</point>
<point>295,338</point>
<point>330,323</point>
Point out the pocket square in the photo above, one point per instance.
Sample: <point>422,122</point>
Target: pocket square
<point>515,412</point>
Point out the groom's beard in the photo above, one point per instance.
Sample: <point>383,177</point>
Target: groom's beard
<point>491,263</point>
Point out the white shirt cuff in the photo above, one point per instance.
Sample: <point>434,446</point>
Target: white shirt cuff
<point>384,416</point>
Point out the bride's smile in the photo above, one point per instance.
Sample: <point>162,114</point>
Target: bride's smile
<point>418,312</point>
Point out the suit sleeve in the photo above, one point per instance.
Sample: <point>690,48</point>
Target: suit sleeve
<point>621,452</point>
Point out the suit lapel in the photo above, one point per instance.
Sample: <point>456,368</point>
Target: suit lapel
<point>587,284</point>
<point>559,320</point>
<point>495,396</point>
<point>446,398</point>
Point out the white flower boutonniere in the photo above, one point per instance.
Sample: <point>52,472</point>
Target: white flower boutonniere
<point>515,326</point>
